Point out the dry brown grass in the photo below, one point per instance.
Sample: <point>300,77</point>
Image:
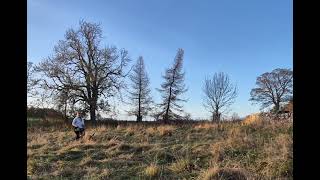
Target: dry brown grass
<point>87,160</point>
<point>166,130</point>
<point>179,166</point>
<point>277,158</point>
<point>207,125</point>
<point>132,129</point>
<point>208,174</point>
<point>151,131</point>
<point>152,170</point>
<point>252,119</point>
<point>205,151</point>
<point>216,173</point>
<point>37,140</point>
<point>217,151</point>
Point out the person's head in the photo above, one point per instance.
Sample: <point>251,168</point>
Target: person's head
<point>79,114</point>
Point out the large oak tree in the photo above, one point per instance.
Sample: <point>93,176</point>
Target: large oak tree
<point>89,72</point>
<point>273,88</point>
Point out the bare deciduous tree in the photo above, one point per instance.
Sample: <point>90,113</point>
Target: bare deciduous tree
<point>62,99</point>
<point>172,88</point>
<point>273,88</point>
<point>220,93</point>
<point>89,72</point>
<point>31,80</point>
<point>140,96</point>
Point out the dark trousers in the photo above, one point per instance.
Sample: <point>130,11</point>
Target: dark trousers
<point>79,132</point>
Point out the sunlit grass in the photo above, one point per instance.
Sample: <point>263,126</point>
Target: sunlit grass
<point>262,150</point>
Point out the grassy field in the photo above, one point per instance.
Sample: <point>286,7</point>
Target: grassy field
<point>259,150</point>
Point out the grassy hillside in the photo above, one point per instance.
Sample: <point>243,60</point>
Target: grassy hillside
<point>260,150</point>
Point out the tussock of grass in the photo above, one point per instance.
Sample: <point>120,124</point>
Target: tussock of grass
<point>208,174</point>
<point>179,166</point>
<point>166,130</point>
<point>262,150</point>
<point>152,170</point>
<point>151,130</point>
<point>86,161</point>
<point>225,173</point>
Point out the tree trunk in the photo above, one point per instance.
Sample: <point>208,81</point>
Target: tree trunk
<point>65,113</point>
<point>277,107</point>
<point>92,113</point>
<point>216,116</point>
<point>139,118</point>
<point>166,117</point>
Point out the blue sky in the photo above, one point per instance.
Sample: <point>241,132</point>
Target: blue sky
<point>242,38</point>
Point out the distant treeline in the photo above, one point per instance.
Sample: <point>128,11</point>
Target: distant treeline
<point>44,113</point>
<point>85,76</point>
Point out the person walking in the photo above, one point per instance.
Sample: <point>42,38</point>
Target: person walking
<point>78,124</point>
